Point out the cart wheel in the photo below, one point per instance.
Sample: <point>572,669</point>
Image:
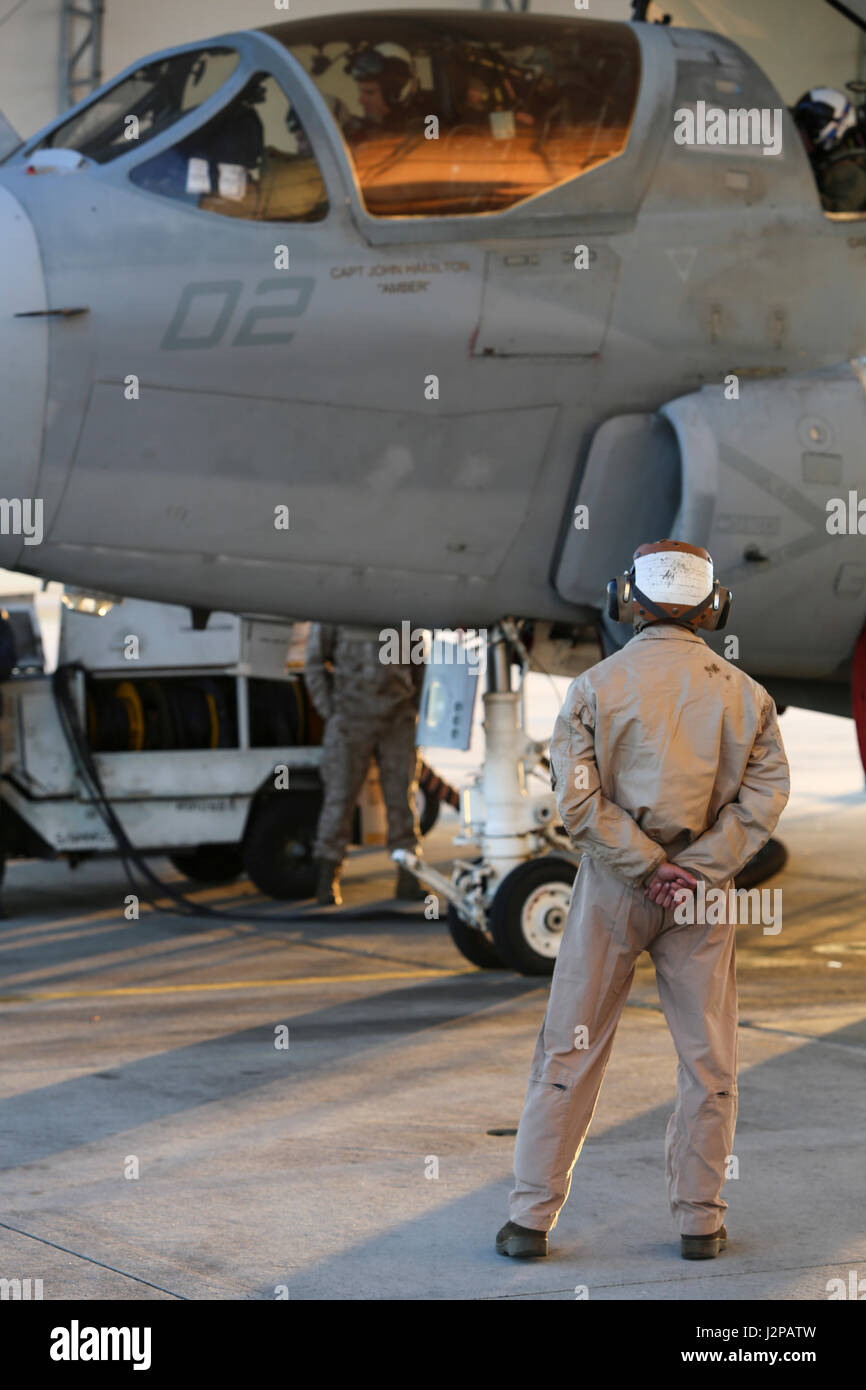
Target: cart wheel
<point>129,697</point>
<point>528,913</point>
<point>278,847</point>
<point>210,863</point>
<point>475,945</point>
<point>428,811</point>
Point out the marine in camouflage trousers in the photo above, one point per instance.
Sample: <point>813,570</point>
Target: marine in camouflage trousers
<point>348,747</point>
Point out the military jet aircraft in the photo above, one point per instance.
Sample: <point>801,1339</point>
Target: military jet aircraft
<point>437,315</point>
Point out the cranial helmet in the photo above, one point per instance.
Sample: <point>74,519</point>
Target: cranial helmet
<point>389,65</point>
<point>824,116</point>
<point>670,582</point>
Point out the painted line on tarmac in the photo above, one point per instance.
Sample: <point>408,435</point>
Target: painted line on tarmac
<point>233,984</point>
<point>4,1225</point>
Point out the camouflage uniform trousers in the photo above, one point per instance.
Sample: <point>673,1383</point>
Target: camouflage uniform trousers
<point>347,749</point>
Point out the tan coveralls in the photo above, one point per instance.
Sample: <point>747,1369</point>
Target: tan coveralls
<point>663,751</point>
<point>370,711</point>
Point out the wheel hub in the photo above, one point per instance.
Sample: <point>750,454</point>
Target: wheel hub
<point>543,917</point>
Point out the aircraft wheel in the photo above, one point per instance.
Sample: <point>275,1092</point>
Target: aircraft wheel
<point>475,945</point>
<point>210,863</point>
<point>528,914</point>
<point>428,811</point>
<point>768,861</point>
<point>278,847</point>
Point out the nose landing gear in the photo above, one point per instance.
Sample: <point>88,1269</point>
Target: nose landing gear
<point>508,907</point>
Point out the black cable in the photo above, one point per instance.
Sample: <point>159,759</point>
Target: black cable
<point>83,758</point>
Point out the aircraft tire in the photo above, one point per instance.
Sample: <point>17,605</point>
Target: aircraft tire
<point>768,861</point>
<point>476,946</point>
<point>528,913</point>
<point>428,811</point>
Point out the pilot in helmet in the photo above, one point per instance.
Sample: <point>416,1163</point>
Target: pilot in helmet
<point>387,89</point>
<point>829,128</point>
<point>477,100</point>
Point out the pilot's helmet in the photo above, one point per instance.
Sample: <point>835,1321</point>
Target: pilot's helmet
<point>670,581</point>
<point>476,94</point>
<point>392,68</point>
<point>824,116</point>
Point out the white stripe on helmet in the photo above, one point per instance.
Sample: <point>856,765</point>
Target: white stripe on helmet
<point>674,576</point>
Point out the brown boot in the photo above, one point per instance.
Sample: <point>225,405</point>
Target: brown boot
<point>520,1242</point>
<point>328,883</point>
<point>703,1247</point>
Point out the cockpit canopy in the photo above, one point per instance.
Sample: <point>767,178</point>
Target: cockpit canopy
<point>450,113</point>
<point>439,113</point>
<point>144,104</point>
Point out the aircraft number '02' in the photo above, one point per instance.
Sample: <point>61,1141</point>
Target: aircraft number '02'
<point>206,308</point>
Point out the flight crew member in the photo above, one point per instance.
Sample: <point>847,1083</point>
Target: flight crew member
<point>370,710</point>
<point>477,102</point>
<point>829,128</point>
<point>388,93</point>
<point>668,767</point>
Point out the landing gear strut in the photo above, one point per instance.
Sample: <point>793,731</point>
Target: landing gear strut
<point>508,907</point>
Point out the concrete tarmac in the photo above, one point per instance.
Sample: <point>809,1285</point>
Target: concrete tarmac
<point>158,1142</point>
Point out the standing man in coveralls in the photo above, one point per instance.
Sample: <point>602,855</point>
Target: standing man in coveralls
<point>668,767</point>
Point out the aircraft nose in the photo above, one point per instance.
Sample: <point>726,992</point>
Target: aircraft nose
<point>23,379</point>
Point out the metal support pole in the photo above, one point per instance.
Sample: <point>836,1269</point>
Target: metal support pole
<point>508,813</point>
<point>243,704</point>
<point>80,49</point>
<point>498,662</point>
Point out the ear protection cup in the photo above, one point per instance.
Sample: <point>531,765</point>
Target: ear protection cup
<point>613,601</point>
<point>719,610</point>
<point>726,612</point>
<point>619,598</point>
